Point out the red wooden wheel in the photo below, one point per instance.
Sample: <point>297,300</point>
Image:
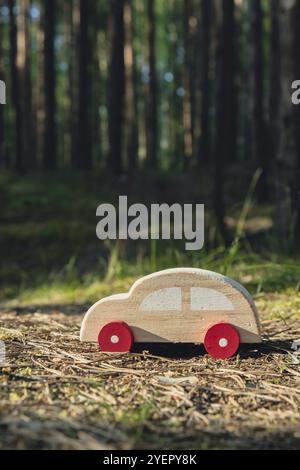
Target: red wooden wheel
<point>116,337</point>
<point>222,341</point>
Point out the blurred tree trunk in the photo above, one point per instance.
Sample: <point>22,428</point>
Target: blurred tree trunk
<point>3,157</point>
<point>288,150</point>
<point>116,84</point>
<point>151,90</point>
<point>24,72</point>
<point>39,91</point>
<point>50,148</point>
<point>226,111</point>
<point>97,83</point>
<point>203,147</point>
<point>131,115</point>
<point>274,112</point>
<point>259,130</point>
<point>68,38</point>
<point>15,87</point>
<point>275,92</point>
<point>74,81</point>
<point>295,184</point>
<point>85,62</point>
<point>187,80</point>
<point>175,99</point>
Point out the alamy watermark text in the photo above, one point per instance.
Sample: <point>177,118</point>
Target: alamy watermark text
<point>2,92</point>
<point>161,221</point>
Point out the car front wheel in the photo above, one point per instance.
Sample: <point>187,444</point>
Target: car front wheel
<point>116,336</point>
<point>222,341</point>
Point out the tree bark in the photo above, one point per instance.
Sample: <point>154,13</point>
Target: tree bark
<point>24,72</point>
<point>3,156</point>
<point>259,130</point>
<point>275,81</point>
<point>50,150</point>
<point>279,193</point>
<point>295,184</point>
<point>131,115</point>
<point>204,150</point>
<point>187,79</point>
<point>116,85</point>
<point>151,90</point>
<point>15,87</point>
<point>97,83</point>
<point>287,149</point>
<point>226,110</point>
<point>74,81</point>
<point>69,50</point>
<point>85,59</point>
<point>39,91</point>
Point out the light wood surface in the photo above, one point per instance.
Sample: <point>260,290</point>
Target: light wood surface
<point>177,305</point>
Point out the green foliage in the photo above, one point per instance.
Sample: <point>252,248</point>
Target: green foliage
<point>50,253</point>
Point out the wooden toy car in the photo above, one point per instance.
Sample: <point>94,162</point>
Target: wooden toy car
<point>183,305</point>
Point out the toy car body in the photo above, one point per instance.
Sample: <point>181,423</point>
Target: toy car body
<point>182,305</point>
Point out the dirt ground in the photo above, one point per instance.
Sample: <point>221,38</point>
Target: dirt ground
<point>56,393</point>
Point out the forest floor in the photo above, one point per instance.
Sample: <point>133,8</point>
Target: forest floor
<point>57,393</point>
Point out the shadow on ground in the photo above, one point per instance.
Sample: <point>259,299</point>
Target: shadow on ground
<point>188,351</point>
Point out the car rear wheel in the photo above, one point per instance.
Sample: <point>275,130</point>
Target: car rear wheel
<point>116,337</point>
<point>222,341</point>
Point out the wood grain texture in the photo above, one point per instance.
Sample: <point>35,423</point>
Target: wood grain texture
<point>158,308</point>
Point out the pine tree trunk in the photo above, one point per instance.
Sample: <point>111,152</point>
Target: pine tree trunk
<point>204,151</point>
<point>15,87</point>
<point>279,193</point>
<point>24,72</point>
<point>226,110</point>
<point>68,37</point>
<point>187,78</point>
<point>287,154</point>
<point>275,81</point>
<point>97,84</point>
<point>116,85</point>
<point>151,90</point>
<point>295,184</point>
<point>50,150</point>
<point>85,48</point>
<point>131,115</point>
<point>259,131</point>
<point>74,82</point>
<point>39,92</point>
<point>3,159</point>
